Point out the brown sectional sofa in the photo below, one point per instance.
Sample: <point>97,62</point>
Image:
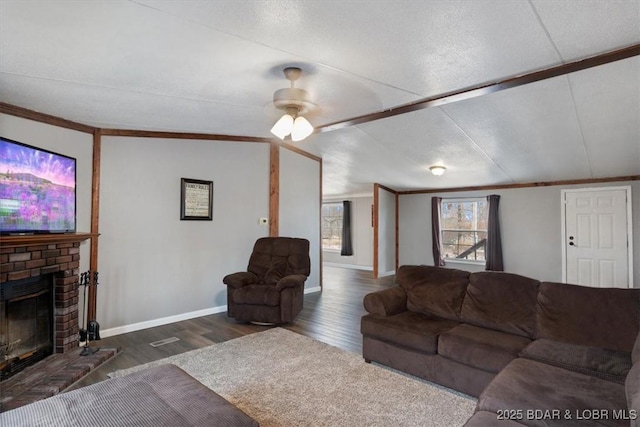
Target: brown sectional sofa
<point>523,346</point>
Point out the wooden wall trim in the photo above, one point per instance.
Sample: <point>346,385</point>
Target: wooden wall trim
<point>274,190</point>
<point>487,88</point>
<point>376,205</point>
<point>376,226</point>
<point>320,230</point>
<point>95,223</point>
<point>301,152</point>
<point>397,231</point>
<point>454,96</point>
<point>524,185</point>
<point>390,190</point>
<point>182,135</point>
<point>25,113</point>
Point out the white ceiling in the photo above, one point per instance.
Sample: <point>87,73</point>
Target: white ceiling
<point>212,67</point>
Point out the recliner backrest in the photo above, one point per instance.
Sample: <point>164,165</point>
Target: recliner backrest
<point>281,256</point>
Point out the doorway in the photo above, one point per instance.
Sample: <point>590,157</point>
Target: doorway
<point>597,246</point>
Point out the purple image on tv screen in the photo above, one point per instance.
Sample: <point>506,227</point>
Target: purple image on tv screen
<point>37,190</point>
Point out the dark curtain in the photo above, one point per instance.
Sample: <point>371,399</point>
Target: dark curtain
<point>494,242</point>
<point>347,248</point>
<point>435,231</point>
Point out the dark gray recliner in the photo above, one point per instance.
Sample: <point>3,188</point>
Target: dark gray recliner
<point>272,289</point>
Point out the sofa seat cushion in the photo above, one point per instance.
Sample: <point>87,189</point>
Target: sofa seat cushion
<point>502,301</point>
<point>433,291</point>
<point>530,386</point>
<point>408,329</point>
<point>257,295</point>
<point>479,347</point>
<point>610,365</point>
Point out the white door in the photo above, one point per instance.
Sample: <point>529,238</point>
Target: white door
<point>596,242</point>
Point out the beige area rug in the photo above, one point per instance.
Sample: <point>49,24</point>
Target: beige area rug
<point>282,378</point>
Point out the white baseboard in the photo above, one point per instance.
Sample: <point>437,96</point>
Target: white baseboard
<point>172,319</point>
<point>352,266</point>
<point>162,321</point>
<point>387,273</point>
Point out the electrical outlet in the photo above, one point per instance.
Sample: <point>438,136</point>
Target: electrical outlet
<point>264,221</point>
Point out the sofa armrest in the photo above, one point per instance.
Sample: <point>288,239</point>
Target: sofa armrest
<point>240,279</point>
<point>291,281</point>
<point>386,302</point>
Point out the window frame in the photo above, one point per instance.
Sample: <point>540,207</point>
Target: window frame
<point>442,229</point>
<point>322,216</point>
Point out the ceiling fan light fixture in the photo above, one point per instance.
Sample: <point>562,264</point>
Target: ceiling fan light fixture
<point>283,127</point>
<point>295,102</point>
<point>301,129</point>
<point>437,170</point>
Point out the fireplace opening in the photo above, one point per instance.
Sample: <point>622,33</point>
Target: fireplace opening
<point>26,323</point>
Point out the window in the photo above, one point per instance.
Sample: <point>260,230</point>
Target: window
<point>463,225</point>
<point>332,226</point>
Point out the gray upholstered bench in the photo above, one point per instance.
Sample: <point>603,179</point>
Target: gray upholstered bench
<point>161,396</point>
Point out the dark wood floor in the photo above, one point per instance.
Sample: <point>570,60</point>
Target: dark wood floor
<point>331,316</point>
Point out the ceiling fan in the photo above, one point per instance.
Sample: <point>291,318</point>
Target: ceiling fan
<point>295,102</point>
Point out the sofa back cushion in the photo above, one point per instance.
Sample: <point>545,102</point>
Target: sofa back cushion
<point>501,301</point>
<point>433,291</point>
<point>599,317</point>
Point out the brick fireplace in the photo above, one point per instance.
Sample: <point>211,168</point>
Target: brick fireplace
<point>56,259</point>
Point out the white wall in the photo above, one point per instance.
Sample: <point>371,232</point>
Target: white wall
<point>362,235</point>
<point>155,266</point>
<point>299,202</point>
<point>386,232</point>
<point>530,226</point>
<point>71,143</point>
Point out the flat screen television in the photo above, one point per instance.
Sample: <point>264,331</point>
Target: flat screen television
<point>37,190</point>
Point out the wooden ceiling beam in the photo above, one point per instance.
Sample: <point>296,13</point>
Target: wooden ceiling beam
<point>487,88</point>
<point>566,182</point>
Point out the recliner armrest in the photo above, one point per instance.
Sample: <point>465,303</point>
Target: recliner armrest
<point>386,302</point>
<point>291,281</point>
<point>240,279</point>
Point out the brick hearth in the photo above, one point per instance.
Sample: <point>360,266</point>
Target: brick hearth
<point>62,260</point>
<point>50,377</point>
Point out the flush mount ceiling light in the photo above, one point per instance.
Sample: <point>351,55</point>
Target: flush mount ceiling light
<point>437,170</point>
<point>294,102</point>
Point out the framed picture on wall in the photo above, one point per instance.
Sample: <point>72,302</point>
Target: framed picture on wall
<point>196,199</point>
